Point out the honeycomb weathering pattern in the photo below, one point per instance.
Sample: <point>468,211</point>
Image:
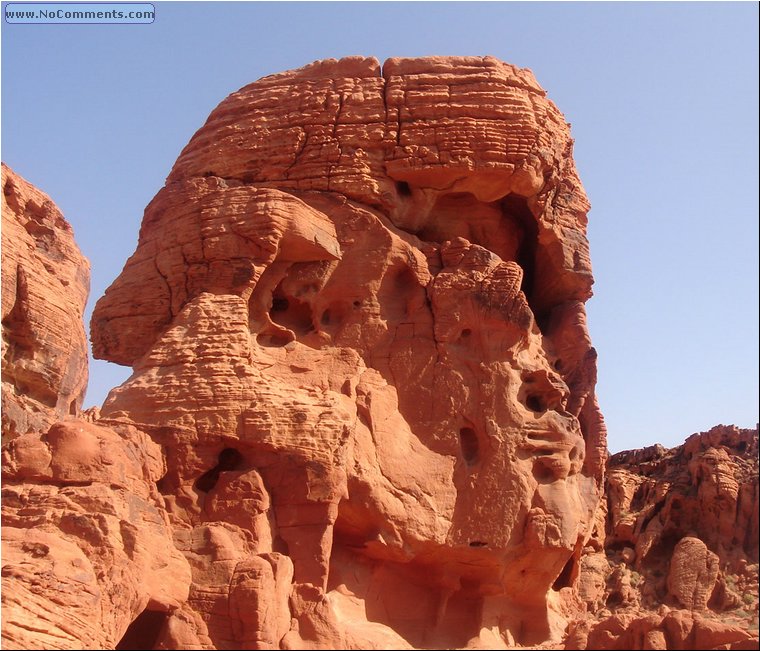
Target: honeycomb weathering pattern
<point>370,285</point>
<point>373,281</point>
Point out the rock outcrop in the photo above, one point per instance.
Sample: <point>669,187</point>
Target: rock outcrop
<point>45,282</point>
<point>86,542</point>
<point>362,409</point>
<point>355,318</point>
<point>681,563</point>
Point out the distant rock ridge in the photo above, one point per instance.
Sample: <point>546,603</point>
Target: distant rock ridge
<point>362,410</point>
<point>680,568</point>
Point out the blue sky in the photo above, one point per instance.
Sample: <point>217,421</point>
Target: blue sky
<point>663,101</point>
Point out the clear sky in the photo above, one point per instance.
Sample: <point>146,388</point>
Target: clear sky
<point>663,101</point>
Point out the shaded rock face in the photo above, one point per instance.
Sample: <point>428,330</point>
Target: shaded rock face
<point>45,282</point>
<point>681,563</point>
<point>355,317</point>
<point>85,536</point>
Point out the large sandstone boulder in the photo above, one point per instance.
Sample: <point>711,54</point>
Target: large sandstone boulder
<point>355,318</point>
<point>693,573</point>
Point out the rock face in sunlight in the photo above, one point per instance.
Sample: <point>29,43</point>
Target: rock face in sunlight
<point>45,281</point>
<point>362,409</point>
<point>355,316</point>
<point>681,563</point>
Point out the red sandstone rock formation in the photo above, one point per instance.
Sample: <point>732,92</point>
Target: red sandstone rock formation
<point>86,543</point>
<point>681,563</point>
<point>86,546</point>
<point>45,281</point>
<point>362,412</point>
<point>355,315</point>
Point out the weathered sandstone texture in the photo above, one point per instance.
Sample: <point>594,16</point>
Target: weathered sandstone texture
<point>45,281</point>
<point>355,317</point>
<point>85,537</point>
<point>681,563</point>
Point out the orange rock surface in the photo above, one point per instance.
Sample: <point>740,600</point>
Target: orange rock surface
<point>86,541</point>
<point>357,307</point>
<point>45,282</point>
<point>85,537</point>
<point>362,412</point>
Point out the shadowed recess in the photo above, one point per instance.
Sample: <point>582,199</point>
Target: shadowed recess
<point>144,631</point>
<point>468,441</point>
<point>229,459</point>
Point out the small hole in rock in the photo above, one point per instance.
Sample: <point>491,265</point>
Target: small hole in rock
<point>403,189</point>
<point>325,320</point>
<point>535,403</point>
<point>542,472</point>
<point>229,459</point>
<point>615,599</point>
<point>164,485</point>
<point>291,312</point>
<point>275,340</point>
<point>468,441</point>
<point>280,304</point>
<point>558,365</point>
<point>565,578</point>
<point>466,333</point>
<point>478,543</point>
